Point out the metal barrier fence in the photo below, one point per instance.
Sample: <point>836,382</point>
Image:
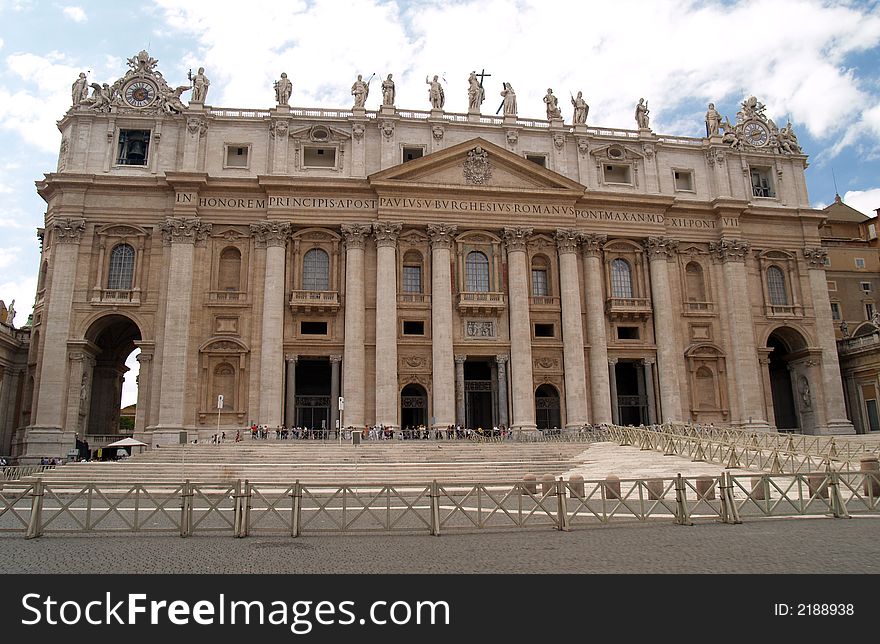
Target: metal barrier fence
<point>16,472</point>
<point>243,508</point>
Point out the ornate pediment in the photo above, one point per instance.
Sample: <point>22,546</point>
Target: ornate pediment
<point>320,134</point>
<point>121,230</point>
<point>616,153</point>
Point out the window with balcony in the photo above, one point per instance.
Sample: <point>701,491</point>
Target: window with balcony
<point>121,272</point>
<point>316,271</point>
<point>621,279</point>
<point>477,272</point>
<point>412,272</point>
<point>540,280</point>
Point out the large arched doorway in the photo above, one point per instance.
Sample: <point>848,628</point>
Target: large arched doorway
<point>413,406</point>
<point>787,346</point>
<point>547,415</point>
<point>101,391</point>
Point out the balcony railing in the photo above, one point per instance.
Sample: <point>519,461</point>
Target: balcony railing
<point>699,308</point>
<point>307,301</point>
<point>544,301</point>
<point>851,345</point>
<point>784,310</point>
<point>628,307</point>
<point>481,302</point>
<point>226,298</point>
<point>413,298</point>
<point>116,296</point>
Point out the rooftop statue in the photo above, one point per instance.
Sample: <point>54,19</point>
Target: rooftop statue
<point>360,90</point>
<point>713,121</point>
<point>388,91</point>
<point>283,90</point>
<point>200,85</point>
<point>581,109</point>
<point>475,93</point>
<point>552,103</point>
<point>435,93</point>
<point>642,115</point>
<point>509,103</point>
<point>79,91</point>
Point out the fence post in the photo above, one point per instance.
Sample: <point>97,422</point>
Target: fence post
<point>435,509</point>
<point>35,524</point>
<point>245,510</point>
<point>236,516</point>
<point>295,510</point>
<point>681,514</point>
<point>186,510</point>
<point>729,512</point>
<point>838,507</point>
<point>561,509</point>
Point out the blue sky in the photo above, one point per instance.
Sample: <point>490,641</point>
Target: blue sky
<point>817,63</point>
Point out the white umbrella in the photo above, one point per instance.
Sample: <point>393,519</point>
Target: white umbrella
<point>127,442</point>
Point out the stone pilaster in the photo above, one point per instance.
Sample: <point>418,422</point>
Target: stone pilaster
<point>354,365</point>
<point>387,409</point>
<point>334,391</point>
<point>460,415</point>
<point>731,253</point>
<point>648,367</point>
<point>516,240</point>
<point>272,235</point>
<point>290,390</point>
<point>660,251</point>
<point>145,369</point>
<point>567,243</point>
<point>501,361</point>
<point>832,382</point>
<point>612,379</point>
<point>196,128</point>
<point>278,133</point>
<point>591,247</point>
<point>443,370</point>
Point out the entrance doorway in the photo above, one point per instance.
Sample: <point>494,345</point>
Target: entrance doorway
<point>479,393</point>
<point>784,343</point>
<point>632,403</point>
<point>313,393</point>
<point>115,337</point>
<point>413,406</point>
<point>547,415</point>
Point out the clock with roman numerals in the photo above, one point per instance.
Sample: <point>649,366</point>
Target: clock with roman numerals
<point>139,93</point>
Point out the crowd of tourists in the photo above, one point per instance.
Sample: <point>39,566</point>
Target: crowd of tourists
<point>372,432</point>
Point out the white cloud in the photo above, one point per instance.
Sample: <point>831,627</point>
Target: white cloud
<point>77,14</point>
<point>865,201</point>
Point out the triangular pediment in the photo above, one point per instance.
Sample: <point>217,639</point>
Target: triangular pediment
<point>478,165</point>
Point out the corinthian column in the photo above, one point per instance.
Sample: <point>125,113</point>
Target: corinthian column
<point>386,322</point>
<point>567,242</point>
<point>180,236</point>
<point>591,246</point>
<point>443,370</point>
<point>747,377</point>
<point>520,330</point>
<point>832,382</point>
<point>660,251</point>
<point>353,376</point>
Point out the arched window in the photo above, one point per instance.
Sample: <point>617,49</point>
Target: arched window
<point>121,270</point>
<point>224,384</point>
<point>696,287</point>
<point>229,278</point>
<point>776,286</point>
<point>412,272</point>
<point>540,279</point>
<point>316,271</point>
<point>621,279</point>
<point>477,271</point>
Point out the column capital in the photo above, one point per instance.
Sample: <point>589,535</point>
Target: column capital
<point>68,230</point>
<point>612,361</point>
<point>730,250</point>
<point>335,359</point>
<point>567,240</point>
<point>460,359</point>
<point>442,235</point>
<point>502,359</point>
<point>648,361</point>
<point>184,230</point>
<point>386,233</point>
<point>271,233</point>
<point>816,257</point>
<point>291,357</point>
<point>144,357</point>
<point>591,244</point>
<point>661,247</point>
<point>516,238</point>
<point>355,235</point>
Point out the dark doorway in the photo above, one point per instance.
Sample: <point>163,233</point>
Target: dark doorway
<point>632,404</point>
<point>413,406</point>
<point>313,393</point>
<point>547,406</point>
<point>115,337</point>
<point>479,392</point>
<point>780,384</point>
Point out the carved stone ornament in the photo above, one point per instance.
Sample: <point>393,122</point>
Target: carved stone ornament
<point>355,235</point>
<point>816,257</point>
<point>386,233</point>
<point>754,131</point>
<point>196,126</point>
<point>477,168</point>
<point>357,131</point>
<point>648,150</point>
<point>184,230</point>
<point>387,128</point>
<point>517,238</point>
<point>278,128</point>
<point>559,140</point>
<point>412,362</point>
<point>223,346</point>
<point>68,231</point>
<point>62,154</point>
<point>661,247</point>
<point>502,360</point>
<point>567,240</point>
<point>271,233</point>
<point>512,137</point>
<point>730,250</point>
<point>583,144</point>
<point>715,155</point>
<point>442,235</point>
<point>438,132</point>
<point>479,329</point>
<point>592,244</point>
<point>546,363</point>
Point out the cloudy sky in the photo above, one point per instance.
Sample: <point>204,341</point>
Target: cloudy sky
<point>816,63</point>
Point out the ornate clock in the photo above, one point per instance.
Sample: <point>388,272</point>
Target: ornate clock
<point>756,134</point>
<point>139,93</point>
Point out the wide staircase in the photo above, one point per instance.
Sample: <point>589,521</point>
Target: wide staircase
<point>317,462</point>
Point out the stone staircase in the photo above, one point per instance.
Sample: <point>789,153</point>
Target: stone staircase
<point>317,462</point>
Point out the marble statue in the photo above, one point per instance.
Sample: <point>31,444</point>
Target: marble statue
<point>713,121</point>
<point>844,329</point>
<point>200,85</point>
<point>553,111</point>
<point>435,93</point>
<point>475,93</point>
<point>3,312</point>
<point>642,114</point>
<point>283,90</point>
<point>100,99</point>
<point>388,91</point>
<point>360,90</point>
<point>509,100</point>
<point>171,103</point>
<point>581,109</point>
<point>10,313</point>
<point>786,140</point>
<point>80,89</point>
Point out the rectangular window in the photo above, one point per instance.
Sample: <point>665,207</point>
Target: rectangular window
<point>133,147</point>
<point>860,262</point>
<point>312,328</point>
<point>315,157</point>
<point>411,153</point>
<point>412,279</point>
<point>872,231</point>
<point>413,327</point>
<point>540,159</point>
<point>826,261</point>
<point>832,286</point>
<point>539,283</point>
<point>544,331</point>
<point>865,286</point>
<point>617,174</point>
<point>762,185</point>
<point>869,310</point>
<point>237,156</point>
<point>835,311</point>
<point>684,180</point>
<point>627,333</point>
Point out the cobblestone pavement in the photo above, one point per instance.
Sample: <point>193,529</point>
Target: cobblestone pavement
<point>821,545</point>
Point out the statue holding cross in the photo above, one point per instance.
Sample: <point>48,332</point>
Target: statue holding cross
<point>476,92</point>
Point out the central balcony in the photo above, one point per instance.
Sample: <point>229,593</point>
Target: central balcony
<point>481,303</point>
<point>226,298</point>
<point>314,301</point>
<point>628,308</point>
<point>116,297</point>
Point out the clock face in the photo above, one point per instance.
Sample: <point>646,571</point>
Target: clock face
<point>756,134</point>
<point>139,94</point>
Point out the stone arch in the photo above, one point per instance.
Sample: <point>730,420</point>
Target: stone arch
<point>548,406</point>
<point>413,405</point>
<point>707,378</point>
<point>792,399</point>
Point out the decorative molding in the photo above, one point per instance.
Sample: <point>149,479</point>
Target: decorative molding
<point>477,168</point>
<point>730,250</point>
<point>816,257</point>
<point>480,329</point>
<point>546,363</point>
<point>559,140</point>
<point>271,233</point>
<point>355,235</point>
<point>714,155</point>
<point>502,359</point>
<point>583,144</point>
<point>68,231</point>
<point>567,240</point>
<point>661,247</point>
<point>184,230</point>
<point>278,128</point>
<point>196,125</point>
<point>357,131</point>
<point>438,131</point>
<point>442,235</point>
<point>591,244</point>
<point>460,359</point>
<point>386,233</point>
<point>512,137</point>
<point>387,129</point>
<point>516,238</point>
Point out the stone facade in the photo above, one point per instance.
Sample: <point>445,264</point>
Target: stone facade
<point>502,272</point>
